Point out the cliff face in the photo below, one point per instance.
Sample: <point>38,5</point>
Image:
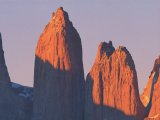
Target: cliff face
<point>12,106</point>
<point>111,86</point>
<point>4,76</point>
<point>151,94</point>
<point>58,76</point>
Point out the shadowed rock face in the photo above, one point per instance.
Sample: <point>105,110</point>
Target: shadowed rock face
<point>106,48</point>
<point>4,77</point>
<point>111,86</point>
<point>12,106</point>
<point>58,76</point>
<point>151,94</point>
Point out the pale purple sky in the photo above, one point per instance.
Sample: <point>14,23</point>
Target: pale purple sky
<point>131,23</point>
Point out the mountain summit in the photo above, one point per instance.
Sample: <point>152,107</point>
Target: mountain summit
<point>59,76</point>
<point>106,48</point>
<point>112,86</point>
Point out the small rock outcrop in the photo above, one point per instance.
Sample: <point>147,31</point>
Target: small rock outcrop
<point>112,87</point>
<point>151,95</point>
<point>58,76</point>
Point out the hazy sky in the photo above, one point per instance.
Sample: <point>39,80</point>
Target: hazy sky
<point>131,23</point>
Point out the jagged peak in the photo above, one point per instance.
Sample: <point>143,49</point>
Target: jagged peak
<point>60,16</point>
<point>106,48</point>
<point>106,51</point>
<point>119,53</point>
<point>59,21</point>
<point>60,9</point>
<point>61,12</point>
<point>55,40</point>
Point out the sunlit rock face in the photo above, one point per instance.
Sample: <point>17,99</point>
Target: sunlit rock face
<point>58,76</point>
<point>151,94</point>
<point>111,86</point>
<point>146,95</point>
<point>12,106</point>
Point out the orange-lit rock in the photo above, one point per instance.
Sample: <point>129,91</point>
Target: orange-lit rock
<point>146,95</point>
<point>111,86</point>
<point>151,94</point>
<point>58,76</point>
